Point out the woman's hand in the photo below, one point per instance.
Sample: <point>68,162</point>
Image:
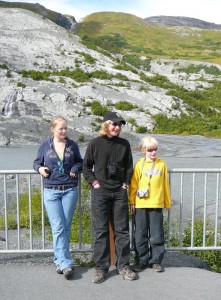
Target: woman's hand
<point>73,174</point>
<point>44,171</point>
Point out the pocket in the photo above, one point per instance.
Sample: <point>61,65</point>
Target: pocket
<point>96,190</point>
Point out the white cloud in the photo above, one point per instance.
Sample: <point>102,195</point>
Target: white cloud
<point>207,10</point>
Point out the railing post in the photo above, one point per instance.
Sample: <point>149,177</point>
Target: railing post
<point>8,188</point>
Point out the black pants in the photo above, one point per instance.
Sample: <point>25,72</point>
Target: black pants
<point>105,204</point>
<point>149,236</point>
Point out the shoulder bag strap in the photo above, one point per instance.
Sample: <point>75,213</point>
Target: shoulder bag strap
<point>151,173</point>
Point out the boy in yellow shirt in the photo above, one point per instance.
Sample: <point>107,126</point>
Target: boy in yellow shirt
<point>149,193</point>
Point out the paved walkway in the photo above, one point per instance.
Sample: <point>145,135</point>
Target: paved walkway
<point>40,282</point>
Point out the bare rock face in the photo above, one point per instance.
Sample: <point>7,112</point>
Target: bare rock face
<point>35,44</point>
<point>68,22</point>
<point>4,141</point>
<point>11,103</point>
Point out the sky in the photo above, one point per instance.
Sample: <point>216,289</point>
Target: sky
<point>206,10</point>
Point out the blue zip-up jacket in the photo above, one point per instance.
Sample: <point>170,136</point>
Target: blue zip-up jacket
<point>72,162</point>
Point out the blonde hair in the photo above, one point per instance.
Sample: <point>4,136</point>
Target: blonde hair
<point>105,128</point>
<point>54,121</point>
<point>148,142</point>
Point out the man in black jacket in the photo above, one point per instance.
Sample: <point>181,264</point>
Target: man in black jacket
<point>108,167</point>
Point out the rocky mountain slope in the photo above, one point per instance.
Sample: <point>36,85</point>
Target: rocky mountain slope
<point>66,21</point>
<point>68,78</point>
<point>182,22</point>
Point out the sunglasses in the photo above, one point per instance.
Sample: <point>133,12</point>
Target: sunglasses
<point>151,150</point>
<point>116,124</point>
<point>61,167</point>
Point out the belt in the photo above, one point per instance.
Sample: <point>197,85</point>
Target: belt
<point>59,187</point>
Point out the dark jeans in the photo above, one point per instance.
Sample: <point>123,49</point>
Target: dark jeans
<point>149,236</point>
<point>115,204</point>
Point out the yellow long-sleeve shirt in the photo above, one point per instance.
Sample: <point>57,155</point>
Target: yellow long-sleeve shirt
<point>159,190</point>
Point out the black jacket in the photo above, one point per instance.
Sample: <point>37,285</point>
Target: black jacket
<point>102,151</point>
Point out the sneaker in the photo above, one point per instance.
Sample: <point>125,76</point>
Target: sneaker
<point>99,276</point>
<point>157,268</point>
<point>68,272</point>
<point>127,273</point>
<point>138,267</point>
<point>58,270</point>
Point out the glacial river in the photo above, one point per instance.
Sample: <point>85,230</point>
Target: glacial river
<point>176,151</point>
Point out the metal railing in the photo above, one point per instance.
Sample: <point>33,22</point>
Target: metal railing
<point>195,213</point>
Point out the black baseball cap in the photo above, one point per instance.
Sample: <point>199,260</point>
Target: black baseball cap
<point>114,117</point>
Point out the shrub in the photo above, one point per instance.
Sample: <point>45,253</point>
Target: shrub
<point>212,70</point>
<point>81,138</point>
<point>124,105</point>
<point>132,121</point>
<point>158,80</point>
<point>212,257</point>
<point>123,66</point>
<point>97,108</point>
<point>24,212</point>
<point>141,129</point>
<point>97,128</point>
<point>8,73</point>
<point>121,77</point>
<point>113,42</point>
<point>87,57</point>
<point>61,80</point>
<point>109,103</point>
<point>21,84</point>
<point>77,74</point>
<point>101,75</point>
<point>98,120</point>
<point>4,66</point>
<point>138,62</point>
<point>83,211</point>
<point>35,75</point>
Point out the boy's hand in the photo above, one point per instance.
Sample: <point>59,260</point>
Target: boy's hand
<point>132,209</point>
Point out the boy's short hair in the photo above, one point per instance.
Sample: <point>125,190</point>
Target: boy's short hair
<point>148,142</point>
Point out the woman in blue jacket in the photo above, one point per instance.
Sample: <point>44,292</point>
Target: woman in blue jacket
<point>59,162</point>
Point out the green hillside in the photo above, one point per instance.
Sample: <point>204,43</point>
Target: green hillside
<point>127,34</point>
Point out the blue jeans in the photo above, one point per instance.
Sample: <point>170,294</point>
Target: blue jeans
<point>60,207</point>
<point>114,204</point>
<point>149,236</point>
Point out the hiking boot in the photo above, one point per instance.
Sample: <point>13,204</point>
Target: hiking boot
<point>157,268</point>
<point>99,276</point>
<point>68,272</point>
<point>127,273</point>
<point>138,267</point>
